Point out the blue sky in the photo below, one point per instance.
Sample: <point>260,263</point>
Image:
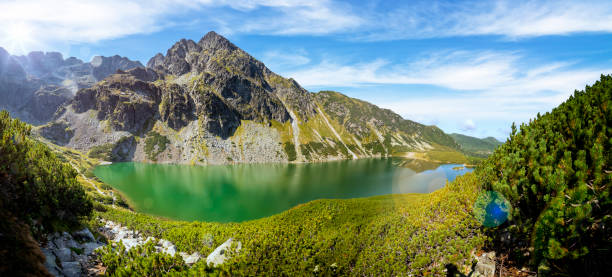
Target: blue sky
<point>472,67</point>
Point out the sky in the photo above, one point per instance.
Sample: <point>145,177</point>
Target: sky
<point>470,67</point>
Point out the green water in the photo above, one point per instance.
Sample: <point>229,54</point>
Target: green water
<point>248,191</point>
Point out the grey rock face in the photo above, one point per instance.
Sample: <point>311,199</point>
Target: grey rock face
<point>176,107</point>
<point>203,98</point>
<point>126,102</point>
<point>105,66</point>
<point>33,87</point>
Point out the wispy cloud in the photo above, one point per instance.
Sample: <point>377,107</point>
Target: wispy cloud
<point>511,19</point>
<point>34,24</point>
<point>486,85</point>
<point>277,59</point>
<point>29,24</point>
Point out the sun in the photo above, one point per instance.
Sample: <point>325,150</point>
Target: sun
<point>18,37</point>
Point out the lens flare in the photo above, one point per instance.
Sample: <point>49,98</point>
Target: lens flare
<point>491,209</point>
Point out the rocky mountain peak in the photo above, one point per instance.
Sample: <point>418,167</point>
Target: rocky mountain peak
<point>215,41</point>
<point>104,66</point>
<point>158,59</point>
<point>33,86</point>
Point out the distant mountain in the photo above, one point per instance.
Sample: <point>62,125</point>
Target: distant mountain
<point>211,102</point>
<point>32,87</point>
<point>476,146</point>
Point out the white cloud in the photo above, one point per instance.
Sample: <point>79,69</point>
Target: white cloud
<point>35,24</point>
<point>483,85</point>
<point>277,59</point>
<point>513,19</point>
<point>468,125</point>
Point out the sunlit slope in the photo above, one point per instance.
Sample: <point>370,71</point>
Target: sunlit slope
<point>386,235</point>
<point>555,171</point>
<point>476,146</point>
<point>211,102</point>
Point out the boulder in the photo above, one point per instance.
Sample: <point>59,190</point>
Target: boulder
<point>84,235</point>
<point>50,262</point>
<point>130,243</point>
<point>486,265</point>
<point>64,254</point>
<point>221,253</point>
<point>193,258</point>
<point>90,247</point>
<point>71,269</point>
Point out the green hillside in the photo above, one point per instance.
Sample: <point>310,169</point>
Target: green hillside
<point>555,173</point>
<point>476,146</point>
<point>39,194</point>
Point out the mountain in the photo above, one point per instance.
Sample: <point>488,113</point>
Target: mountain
<point>211,102</point>
<point>476,146</point>
<point>32,87</point>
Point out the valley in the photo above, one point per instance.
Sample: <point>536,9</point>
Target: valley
<point>206,150</point>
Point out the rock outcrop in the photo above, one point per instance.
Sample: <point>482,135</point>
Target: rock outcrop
<point>70,254</point>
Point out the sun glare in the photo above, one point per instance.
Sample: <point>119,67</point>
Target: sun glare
<point>19,36</point>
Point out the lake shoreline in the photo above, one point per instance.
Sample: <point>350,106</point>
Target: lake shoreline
<point>241,192</point>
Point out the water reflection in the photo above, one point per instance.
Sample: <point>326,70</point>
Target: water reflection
<point>250,191</point>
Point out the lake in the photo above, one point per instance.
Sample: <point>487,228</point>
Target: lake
<point>232,193</point>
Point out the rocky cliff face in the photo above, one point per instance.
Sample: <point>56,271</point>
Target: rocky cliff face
<point>32,87</point>
<point>211,102</point>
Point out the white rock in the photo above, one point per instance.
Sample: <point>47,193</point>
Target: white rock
<point>193,258</point>
<point>183,255</point>
<point>121,233</point>
<point>130,243</point>
<point>221,253</point>
<point>171,250</point>
<point>165,244</point>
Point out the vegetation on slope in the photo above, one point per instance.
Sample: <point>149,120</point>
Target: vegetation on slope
<point>39,194</point>
<point>555,172</point>
<point>476,146</point>
<point>155,144</point>
<point>385,235</point>
<point>358,116</point>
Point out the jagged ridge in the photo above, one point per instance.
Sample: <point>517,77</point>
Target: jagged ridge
<point>214,103</point>
<point>32,87</point>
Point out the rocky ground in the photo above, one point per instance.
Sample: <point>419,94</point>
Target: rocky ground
<point>73,254</point>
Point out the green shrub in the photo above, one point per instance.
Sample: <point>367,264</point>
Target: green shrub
<point>555,171</point>
<point>384,235</point>
<point>155,144</point>
<point>36,187</point>
<point>101,152</point>
<point>290,150</point>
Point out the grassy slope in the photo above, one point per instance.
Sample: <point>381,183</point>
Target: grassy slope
<point>388,235</point>
<point>476,146</point>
